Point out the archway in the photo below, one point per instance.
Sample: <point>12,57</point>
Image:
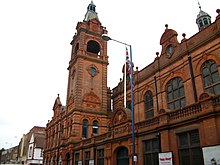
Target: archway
<point>122,156</point>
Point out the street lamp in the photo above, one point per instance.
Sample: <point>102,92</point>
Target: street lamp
<point>107,38</point>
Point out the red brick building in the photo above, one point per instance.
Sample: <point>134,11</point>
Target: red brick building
<point>176,102</point>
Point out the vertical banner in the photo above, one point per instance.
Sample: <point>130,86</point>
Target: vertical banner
<point>165,158</point>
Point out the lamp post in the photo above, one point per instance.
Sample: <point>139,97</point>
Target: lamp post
<point>107,38</point>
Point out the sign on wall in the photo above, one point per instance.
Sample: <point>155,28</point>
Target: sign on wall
<point>91,162</point>
<point>165,158</point>
<point>211,155</point>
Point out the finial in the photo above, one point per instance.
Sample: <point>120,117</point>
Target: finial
<point>58,95</point>
<point>184,35</point>
<point>166,25</point>
<point>218,11</point>
<point>199,5</point>
<point>157,54</point>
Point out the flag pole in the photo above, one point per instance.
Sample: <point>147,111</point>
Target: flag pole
<point>134,156</point>
<point>125,74</point>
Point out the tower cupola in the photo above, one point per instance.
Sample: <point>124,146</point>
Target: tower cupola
<point>203,19</point>
<point>91,13</point>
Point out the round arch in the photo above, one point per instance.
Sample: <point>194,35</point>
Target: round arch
<point>206,58</point>
<point>121,156</point>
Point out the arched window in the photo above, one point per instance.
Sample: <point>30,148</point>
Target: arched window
<point>76,48</point>
<point>148,104</point>
<point>210,76</point>
<point>95,127</point>
<point>200,23</point>
<point>85,125</point>
<point>93,47</point>
<point>30,151</point>
<point>122,156</point>
<point>205,21</point>
<point>175,93</point>
<point>128,104</point>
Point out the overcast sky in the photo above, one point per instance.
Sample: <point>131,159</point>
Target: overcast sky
<point>35,49</point>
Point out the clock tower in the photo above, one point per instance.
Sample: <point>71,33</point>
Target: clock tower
<point>87,81</point>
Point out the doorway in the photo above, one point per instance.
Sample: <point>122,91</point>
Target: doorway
<point>122,156</point>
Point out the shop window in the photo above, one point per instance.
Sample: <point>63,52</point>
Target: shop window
<point>87,157</point>
<point>76,158</point>
<point>151,150</point>
<point>190,152</point>
<point>100,157</point>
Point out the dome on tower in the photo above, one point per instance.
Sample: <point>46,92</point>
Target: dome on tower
<point>203,19</point>
<point>91,13</point>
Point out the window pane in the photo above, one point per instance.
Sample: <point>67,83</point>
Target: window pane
<point>181,91</point>
<point>210,90</point>
<point>207,81</point>
<point>184,157</point>
<point>95,127</point>
<point>183,102</point>
<point>183,140</point>
<point>147,159</point>
<point>197,157</point>
<point>177,104</point>
<point>170,106</point>
<point>205,72</point>
<point>147,146</point>
<point>155,159</point>
<point>205,21</point>
<point>213,68</point>
<point>194,137</point>
<point>217,89</point>
<point>149,114</point>
<point>175,86</point>
<point>180,83</point>
<point>170,97</point>
<point>215,77</point>
<point>169,88</point>
<point>175,94</point>
<point>155,147</point>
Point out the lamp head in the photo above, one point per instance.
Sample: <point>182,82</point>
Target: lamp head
<point>105,37</point>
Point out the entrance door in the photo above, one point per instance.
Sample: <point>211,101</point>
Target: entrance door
<point>122,156</point>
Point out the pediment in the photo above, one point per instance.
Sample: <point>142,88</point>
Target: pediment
<point>169,41</point>
<point>91,101</point>
<point>121,116</point>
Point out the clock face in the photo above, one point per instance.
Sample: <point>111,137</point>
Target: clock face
<point>169,50</point>
<point>93,71</point>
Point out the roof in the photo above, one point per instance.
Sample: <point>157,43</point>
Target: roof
<point>39,140</point>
